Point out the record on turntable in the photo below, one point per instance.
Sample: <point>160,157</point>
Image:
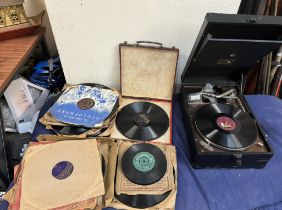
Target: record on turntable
<point>226,126</point>
<point>143,121</point>
<point>143,164</point>
<point>84,106</point>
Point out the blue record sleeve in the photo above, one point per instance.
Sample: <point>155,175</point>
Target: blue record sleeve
<point>84,105</point>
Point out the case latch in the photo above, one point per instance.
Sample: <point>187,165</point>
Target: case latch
<point>251,20</point>
<point>237,158</point>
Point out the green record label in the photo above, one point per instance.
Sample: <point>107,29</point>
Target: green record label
<point>144,161</point>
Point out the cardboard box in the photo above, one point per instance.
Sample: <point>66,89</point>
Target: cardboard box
<point>111,150</point>
<point>28,195</point>
<point>114,178</point>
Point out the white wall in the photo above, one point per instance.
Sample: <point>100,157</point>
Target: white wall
<point>33,7</point>
<point>87,32</point>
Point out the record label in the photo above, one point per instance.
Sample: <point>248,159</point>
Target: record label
<point>84,105</point>
<point>144,161</point>
<point>62,170</point>
<point>226,123</point>
<point>141,119</point>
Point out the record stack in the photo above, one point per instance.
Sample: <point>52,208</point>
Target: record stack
<point>145,176</point>
<point>104,145</point>
<point>48,178</point>
<point>83,110</point>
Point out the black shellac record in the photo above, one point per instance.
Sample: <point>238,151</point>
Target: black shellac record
<point>226,126</point>
<point>143,121</point>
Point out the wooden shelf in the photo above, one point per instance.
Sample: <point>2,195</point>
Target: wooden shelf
<point>14,53</point>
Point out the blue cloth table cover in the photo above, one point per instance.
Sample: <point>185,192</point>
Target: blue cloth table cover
<point>225,189</point>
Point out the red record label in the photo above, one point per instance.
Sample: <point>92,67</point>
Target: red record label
<point>226,123</point>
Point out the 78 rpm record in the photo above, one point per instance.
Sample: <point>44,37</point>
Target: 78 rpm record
<point>72,130</point>
<point>69,130</point>
<point>103,163</point>
<point>97,86</point>
<point>64,166</point>
<point>143,121</point>
<point>144,164</point>
<point>142,201</point>
<point>226,126</point>
<point>85,105</point>
<point>77,130</point>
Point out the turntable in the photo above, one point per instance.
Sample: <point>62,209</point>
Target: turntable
<point>221,129</point>
<point>147,83</point>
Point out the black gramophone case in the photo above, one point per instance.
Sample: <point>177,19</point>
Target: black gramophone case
<point>226,47</point>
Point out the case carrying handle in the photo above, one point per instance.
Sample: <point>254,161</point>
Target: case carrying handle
<point>149,42</point>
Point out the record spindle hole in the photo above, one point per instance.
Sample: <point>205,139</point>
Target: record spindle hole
<point>62,170</point>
